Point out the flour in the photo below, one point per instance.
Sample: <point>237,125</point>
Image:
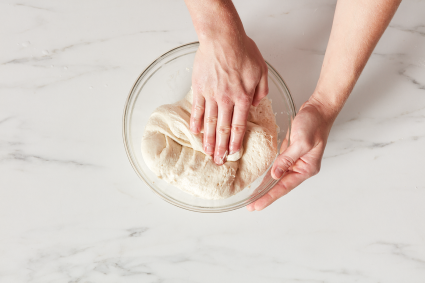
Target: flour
<point>176,155</point>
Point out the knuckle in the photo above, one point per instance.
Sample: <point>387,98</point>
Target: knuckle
<point>211,120</point>
<point>199,109</point>
<point>209,141</point>
<point>286,162</point>
<point>196,119</point>
<point>225,100</point>
<point>223,130</point>
<point>242,93</point>
<point>283,189</point>
<point>238,129</point>
<point>244,101</point>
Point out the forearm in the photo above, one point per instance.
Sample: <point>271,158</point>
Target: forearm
<point>215,19</point>
<point>357,28</point>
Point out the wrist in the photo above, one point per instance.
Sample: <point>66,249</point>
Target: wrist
<point>229,44</point>
<point>215,20</point>
<point>228,35</point>
<point>328,109</point>
<point>220,31</point>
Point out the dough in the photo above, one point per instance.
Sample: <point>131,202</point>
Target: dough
<point>176,155</point>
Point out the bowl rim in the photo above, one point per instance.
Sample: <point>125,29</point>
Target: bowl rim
<point>190,208</point>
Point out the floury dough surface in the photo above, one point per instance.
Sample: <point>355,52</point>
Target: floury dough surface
<point>176,155</point>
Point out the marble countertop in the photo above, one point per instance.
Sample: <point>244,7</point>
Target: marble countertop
<point>73,210</point>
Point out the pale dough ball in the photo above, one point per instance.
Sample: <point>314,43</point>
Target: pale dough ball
<point>176,155</point>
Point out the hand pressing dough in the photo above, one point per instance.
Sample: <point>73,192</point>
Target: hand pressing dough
<point>176,155</point>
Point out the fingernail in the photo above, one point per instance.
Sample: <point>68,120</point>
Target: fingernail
<point>250,208</point>
<point>224,157</point>
<point>218,160</point>
<point>232,151</point>
<point>278,172</point>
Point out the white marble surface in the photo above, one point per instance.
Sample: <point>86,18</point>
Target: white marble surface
<point>73,210</point>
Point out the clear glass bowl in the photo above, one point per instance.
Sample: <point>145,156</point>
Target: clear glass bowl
<point>167,80</point>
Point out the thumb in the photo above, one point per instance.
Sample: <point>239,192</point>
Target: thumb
<point>285,160</point>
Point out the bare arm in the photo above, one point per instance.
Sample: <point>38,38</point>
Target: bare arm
<point>215,19</point>
<point>357,28</point>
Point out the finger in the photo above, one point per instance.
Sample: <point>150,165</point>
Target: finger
<point>262,89</point>
<point>225,112</point>
<point>210,125</point>
<point>198,107</point>
<point>289,181</point>
<point>304,167</point>
<point>238,128</point>
<point>287,159</point>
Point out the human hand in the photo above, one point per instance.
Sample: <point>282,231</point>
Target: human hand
<point>302,159</point>
<point>229,76</point>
